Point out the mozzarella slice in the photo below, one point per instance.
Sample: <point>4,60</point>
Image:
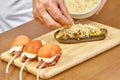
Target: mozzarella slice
<point>48,60</point>
<point>43,42</point>
<point>29,55</point>
<point>15,48</point>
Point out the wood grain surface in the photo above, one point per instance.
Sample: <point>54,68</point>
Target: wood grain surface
<point>72,54</point>
<point>105,66</point>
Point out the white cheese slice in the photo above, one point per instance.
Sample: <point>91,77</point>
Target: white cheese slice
<point>48,60</point>
<point>15,48</point>
<point>29,55</point>
<point>43,42</point>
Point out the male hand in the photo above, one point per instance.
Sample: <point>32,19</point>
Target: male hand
<point>52,13</point>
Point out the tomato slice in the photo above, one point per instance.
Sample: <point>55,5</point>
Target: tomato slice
<point>49,50</point>
<point>20,40</point>
<point>33,46</point>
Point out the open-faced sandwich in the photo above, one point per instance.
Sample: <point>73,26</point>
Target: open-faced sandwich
<point>80,33</point>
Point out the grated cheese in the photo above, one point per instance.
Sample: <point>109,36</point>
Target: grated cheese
<point>80,6</point>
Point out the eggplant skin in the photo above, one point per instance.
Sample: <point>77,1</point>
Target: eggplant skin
<point>80,40</point>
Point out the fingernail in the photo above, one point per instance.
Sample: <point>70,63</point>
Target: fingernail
<point>70,18</point>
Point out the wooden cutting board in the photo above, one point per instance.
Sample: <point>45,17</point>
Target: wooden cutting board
<point>73,54</point>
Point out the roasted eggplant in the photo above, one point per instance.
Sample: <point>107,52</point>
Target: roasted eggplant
<point>80,33</point>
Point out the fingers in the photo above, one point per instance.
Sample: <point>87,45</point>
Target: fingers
<point>57,15</point>
<point>36,14</point>
<point>49,21</point>
<point>103,3</point>
<point>64,9</point>
<point>38,18</point>
<point>52,13</point>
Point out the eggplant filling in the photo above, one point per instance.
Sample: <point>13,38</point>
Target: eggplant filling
<point>80,32</point>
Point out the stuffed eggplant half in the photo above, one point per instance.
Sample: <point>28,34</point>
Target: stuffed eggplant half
<point>80,33</point>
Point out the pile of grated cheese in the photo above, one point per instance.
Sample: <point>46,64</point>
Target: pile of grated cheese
<point>80,6</point>
<point>84,30</point>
